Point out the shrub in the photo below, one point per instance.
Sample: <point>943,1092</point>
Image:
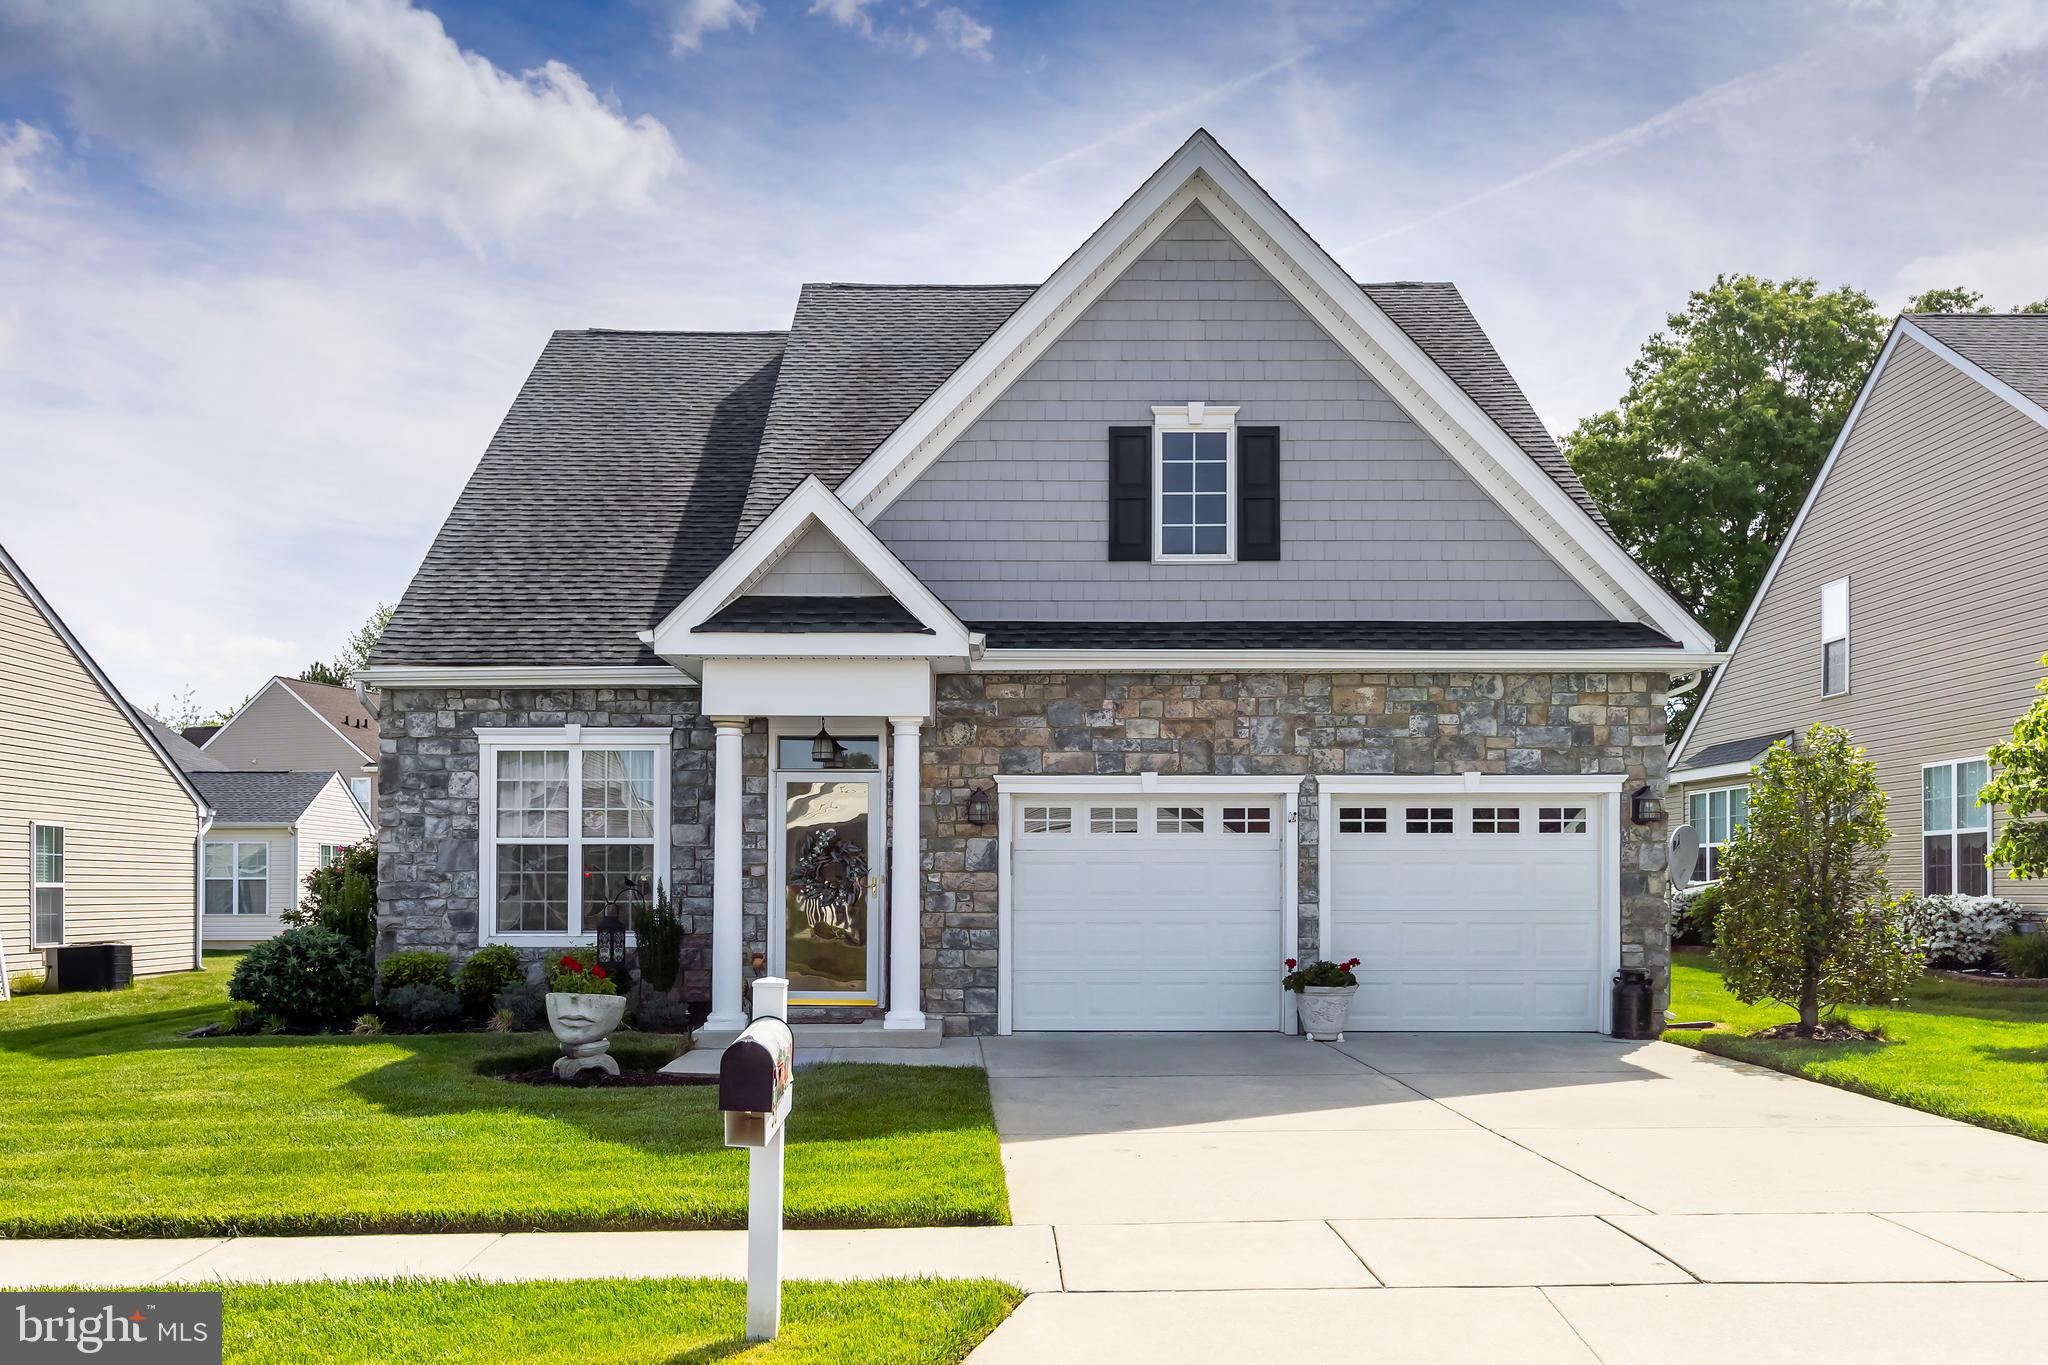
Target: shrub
<point>486,972</point>
<point>658,930</point>
<point>574,975</point>
<point>306,977</point>
<point>1694,912</point>
<point>423,1005</point>
<point>2024,954</point>
<point>1807,918</point>
<point>652,1011</point>
<point>343,897</point>
<point>416,969</point>
<point>26,983</point>
<point>239,1017</point>
<point>367,1025</point>
<point>503,1021</point>
<point>1959,931</point>
<point>524,1005</point>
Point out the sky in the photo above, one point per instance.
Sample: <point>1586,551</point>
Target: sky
<point>272,270</point>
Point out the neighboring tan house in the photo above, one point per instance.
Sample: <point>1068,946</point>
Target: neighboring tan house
<point>1062,656</point>
<point>296,726</point>
<point>1907,604</point>
<point>99,829</point>
<point>269,831</point>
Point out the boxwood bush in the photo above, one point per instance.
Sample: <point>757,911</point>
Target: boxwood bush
<point>416,969</point>
<point>486,972</point>
<point>306,977</point>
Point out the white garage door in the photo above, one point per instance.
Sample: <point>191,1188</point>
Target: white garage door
<point>1469,912</point>
<point>1154,913</point>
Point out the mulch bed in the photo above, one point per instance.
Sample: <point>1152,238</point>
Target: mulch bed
<point>1987,979</point>
<point>1828,1032</point>
<point>598,1080</point>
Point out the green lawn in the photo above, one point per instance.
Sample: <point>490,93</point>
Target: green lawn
<point>605,1322</point>
<point>1971,1052</point>
<point>113,1124</point>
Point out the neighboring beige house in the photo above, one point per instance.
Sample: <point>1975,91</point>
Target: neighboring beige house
<point>296,726</point>
<point>99,829</point>
<point>269,831</point>
<point>1907,604</point>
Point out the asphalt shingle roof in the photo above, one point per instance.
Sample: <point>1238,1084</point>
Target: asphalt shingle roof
<point>2011,347</point>
<point>856,615</point>
<point>1322,635</point>
<point>1730,751</point>
<point>254,798</point>
<point>188,756</point>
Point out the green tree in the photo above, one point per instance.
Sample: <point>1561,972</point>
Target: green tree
<point>355,654</point>
<point>1955,299</point>
<point>1807,918</point>
<point>2020,784</point>
<point>1729,412</point>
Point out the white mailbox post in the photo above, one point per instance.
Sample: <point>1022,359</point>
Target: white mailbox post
<point>756,1075</point>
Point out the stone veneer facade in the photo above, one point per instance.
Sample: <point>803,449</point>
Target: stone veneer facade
<point>1185,723</point>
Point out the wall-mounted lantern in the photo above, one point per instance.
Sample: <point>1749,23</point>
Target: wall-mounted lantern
<point>1645,807</point>
<point>981,807</point>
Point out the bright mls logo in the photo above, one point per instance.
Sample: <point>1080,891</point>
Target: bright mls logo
<point>164,1328</point>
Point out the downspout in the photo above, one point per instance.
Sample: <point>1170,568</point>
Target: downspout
<point>199,890</point>
<point>1692,680</point>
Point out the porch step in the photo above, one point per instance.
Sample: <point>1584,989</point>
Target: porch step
<point>817,1036</point>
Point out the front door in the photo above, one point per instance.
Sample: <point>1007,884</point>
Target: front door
<point>830,858</point>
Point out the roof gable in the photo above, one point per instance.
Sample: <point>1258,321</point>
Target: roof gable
<point>261,798</point>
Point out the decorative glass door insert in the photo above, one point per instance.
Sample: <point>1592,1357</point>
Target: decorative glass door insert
<point>830,943</point>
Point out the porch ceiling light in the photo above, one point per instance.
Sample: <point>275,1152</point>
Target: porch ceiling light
<point>824,748</point>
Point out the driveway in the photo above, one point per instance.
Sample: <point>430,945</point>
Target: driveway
<point>1486,1197</point>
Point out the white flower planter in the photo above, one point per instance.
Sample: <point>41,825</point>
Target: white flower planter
<point>583,1025</point>
<point>1324,1011</point>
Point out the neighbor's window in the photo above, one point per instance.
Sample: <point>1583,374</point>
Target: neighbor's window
<point>1361,819</point>
<point>1048,819</point>
<point>237,878</point>
<point>1248,819</point>
<point>1180,819</point>
<point>1715,816</point>
<point>1429,819</point>
<point>1955,831</point>
<point>1194,478</point>
<point>1496,819</point>
<point>47,878</point>
<point>574,827</point>
<point>1561,820</point>
<point>1113,820</point>
<point>330,854</point>
<point>359,788</point>
<point>1834,638</point>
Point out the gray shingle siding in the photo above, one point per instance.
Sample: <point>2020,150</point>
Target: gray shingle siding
<point>1378,522</point>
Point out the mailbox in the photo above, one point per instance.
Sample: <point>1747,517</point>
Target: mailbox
<point>753,1083</point>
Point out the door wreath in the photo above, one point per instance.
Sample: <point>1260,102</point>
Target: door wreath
<point>827,879</point>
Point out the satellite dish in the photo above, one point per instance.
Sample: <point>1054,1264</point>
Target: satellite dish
<point>1685,849</point>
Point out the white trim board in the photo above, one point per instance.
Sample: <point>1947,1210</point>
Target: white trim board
<point>1720,772</point>
<point>1342,660</point>
<point>1201,172</point>
<point>1901,328</point>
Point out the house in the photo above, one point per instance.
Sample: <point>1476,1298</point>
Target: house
<point>1905,606</point>
<point>270,829</point>
<point>99,828</point>
<point>1056,656</point>
<point>291,725</point>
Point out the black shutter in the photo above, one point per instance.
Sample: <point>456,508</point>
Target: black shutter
<point>1258,493</point>
<point>1130,493</point>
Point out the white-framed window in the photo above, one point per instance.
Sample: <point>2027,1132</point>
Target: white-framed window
<point>573,820</point>
<point>1496,819</point>
<point>46,881</point>
<point>237,877</point>
<point>1361,819</point>
<point>1247,819</point>
<point>1955,832</point>
<point>1181,819</point>
<point>1048,819</point>
<point>359,788</point>
<point>330,854</point>
<point>1194,484</point>
<point>1560,819</point>
<point>1715,816</point>
<point>1112,819</point>
<point>1429,819</point>
<point>1834,638</point>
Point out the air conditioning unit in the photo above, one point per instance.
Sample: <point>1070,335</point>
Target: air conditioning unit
<point>92,967</point>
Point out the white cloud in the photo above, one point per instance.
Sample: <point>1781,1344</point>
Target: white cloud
<point>960,31</point>
<point>336,104</point>
<point>847,13</point>
<point>20,149</point>
<point>1972,38</point>
<point>695,18</point>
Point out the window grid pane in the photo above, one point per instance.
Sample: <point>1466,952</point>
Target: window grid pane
<point>1194,504</point>
<point>1113,820</point>
<point>1970,779</point>
<point>1561,820</point>
<point>1497,820</point>
<point>618,794</point>
<point>533,888</point>
<point>49,914</point>
<point>1048,819</point>
<point>1180,819</point>
<point>1429,819</point>
<point>1937,868</point>
<point>1361,819</point>
<point>49,853</point>
<point>1248,819</point>
<point>1936,798</point>
<point>1973,878</point>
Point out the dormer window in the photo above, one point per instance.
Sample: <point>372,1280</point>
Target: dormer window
<point>1195,478</point>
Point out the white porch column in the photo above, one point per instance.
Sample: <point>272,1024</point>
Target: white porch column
<point>906,995</point>
<point>726,877</point>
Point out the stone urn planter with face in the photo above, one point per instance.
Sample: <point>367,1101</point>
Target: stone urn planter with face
<point>584,1006</point>
<point>1322,997</point>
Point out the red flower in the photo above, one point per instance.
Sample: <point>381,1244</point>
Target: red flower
<point>598,972</point>
<point>1290,964</point>
<point>569,964</point>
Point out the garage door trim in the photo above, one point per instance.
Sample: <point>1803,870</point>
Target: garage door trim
<point>1604,792</point>
<point>1012,786</point>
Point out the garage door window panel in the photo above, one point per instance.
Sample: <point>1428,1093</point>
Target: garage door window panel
<point>1048,819</point>
<point>1247,819</point>
<point>1561,820</point>
<point>1430,820</point>
<point>1181,819</point>
<point>1361,819</point>
<point>1497,820</point>
<point>1113,820</point>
